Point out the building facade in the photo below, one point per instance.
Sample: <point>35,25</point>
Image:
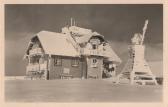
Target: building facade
<point>74,53</point>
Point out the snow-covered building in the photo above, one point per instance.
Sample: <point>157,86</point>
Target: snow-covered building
<point>74,53</point>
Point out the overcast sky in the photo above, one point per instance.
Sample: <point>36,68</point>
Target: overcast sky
<point>117,23</point>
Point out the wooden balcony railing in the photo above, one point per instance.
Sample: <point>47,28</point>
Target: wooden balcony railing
<point>96,52</point>
<point>35,51</point>
<point>36,67</point>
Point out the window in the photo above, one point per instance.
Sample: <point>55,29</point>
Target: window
<point>94,62</point>
<point>75,62</point>
<point>94,46</point>
<point>34,60</point>
<point>57,61</point>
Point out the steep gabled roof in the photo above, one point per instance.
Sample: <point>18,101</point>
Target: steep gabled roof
<point>83,39</point>
<point>111,55</point>
<point>58,44</point>
<point>81,35</point>
<point>66,45</point>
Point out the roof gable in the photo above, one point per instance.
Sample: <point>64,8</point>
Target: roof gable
<point>112,56</point>
<point>66,45</point>
<point>81,35</point>
<point>57,44</point>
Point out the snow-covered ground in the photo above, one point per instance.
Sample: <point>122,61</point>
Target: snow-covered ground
<point>79,91</point>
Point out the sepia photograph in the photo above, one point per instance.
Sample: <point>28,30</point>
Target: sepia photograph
<point>83,53</point>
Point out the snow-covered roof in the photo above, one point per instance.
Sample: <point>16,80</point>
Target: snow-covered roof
<point>58,44</point>
<point>80,31</point>
<point>66,44</point>
<point>86,38</point>
<point>83,39</point>
<point>110,54</point>
<point>82,35</point>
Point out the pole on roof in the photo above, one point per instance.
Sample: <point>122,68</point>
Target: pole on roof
<point>71,21</point>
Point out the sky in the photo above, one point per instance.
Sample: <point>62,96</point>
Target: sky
<point>116,22</point>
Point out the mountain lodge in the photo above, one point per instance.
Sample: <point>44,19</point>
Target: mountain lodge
<point>74,53</point>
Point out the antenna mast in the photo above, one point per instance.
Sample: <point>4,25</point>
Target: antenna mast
<point>144,31</point>
<point>71,21</point>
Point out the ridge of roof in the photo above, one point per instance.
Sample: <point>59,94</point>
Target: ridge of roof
<point>52,44</point>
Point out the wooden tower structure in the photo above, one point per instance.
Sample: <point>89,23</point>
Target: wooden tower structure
<point>137,70</point>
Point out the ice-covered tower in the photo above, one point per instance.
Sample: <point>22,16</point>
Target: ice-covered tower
<point>137,70</point>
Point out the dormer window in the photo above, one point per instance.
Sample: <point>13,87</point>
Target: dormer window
<point>95,42</point>
<point>94,46</point>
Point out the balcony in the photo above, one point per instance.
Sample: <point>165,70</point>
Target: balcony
<point>36,67</point>
<point>95,52</point>
<point>35,51</point>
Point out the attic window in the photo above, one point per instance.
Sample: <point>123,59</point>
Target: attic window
<point>75,62</point>
<point>94,62</point>
<point>34,60</point>
<point>94,46</point>
<point>57,61</point>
